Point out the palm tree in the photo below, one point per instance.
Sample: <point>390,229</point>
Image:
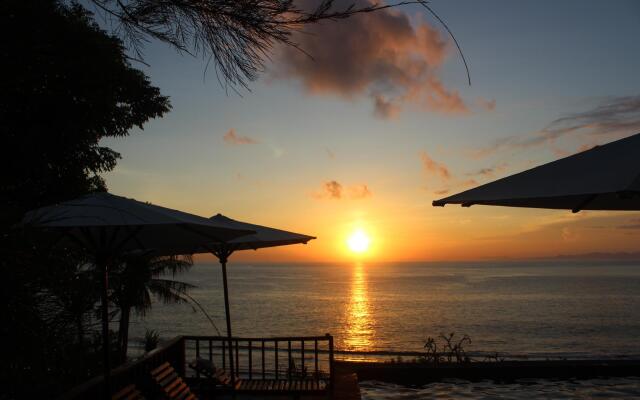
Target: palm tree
<point>141,277</point>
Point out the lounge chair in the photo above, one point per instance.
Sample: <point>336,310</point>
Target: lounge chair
<point>129,392</point>
<point>171,384</point>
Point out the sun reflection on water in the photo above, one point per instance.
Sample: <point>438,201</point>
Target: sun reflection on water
<point>360,327</point>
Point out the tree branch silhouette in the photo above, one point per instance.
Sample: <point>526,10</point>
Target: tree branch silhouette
<point>237,35</point>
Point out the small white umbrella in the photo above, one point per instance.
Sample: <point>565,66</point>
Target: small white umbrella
<point>263,237</point>
<point>108,226</point>
<point>605,177</point>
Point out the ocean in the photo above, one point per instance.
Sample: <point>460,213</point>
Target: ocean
<point>535,310</point>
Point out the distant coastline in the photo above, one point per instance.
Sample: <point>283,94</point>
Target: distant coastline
<point>620,256</point>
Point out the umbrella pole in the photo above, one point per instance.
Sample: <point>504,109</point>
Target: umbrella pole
<point>105,328</point>
<point>223,262</point>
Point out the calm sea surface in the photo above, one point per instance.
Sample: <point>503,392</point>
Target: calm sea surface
<point>538,309</point>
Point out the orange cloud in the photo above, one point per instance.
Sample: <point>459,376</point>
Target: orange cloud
<point>434,167</point>
<point>335,190</point>
<point>360,192</point>
<point>232,138</point>
<point>379,55</point>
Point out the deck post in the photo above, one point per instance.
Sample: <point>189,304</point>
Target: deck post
<point>263,373</point>
<point>182,355</point>
<point>223,261</point>
<point>331,372</point>
<point>250,361</point>
<point>104,301</point>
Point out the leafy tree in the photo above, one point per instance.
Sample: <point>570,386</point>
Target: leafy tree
<point>65,86</point>
<point>141,277</point>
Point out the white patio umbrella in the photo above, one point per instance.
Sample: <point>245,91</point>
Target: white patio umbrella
<point>263,237</point>
<point>606,177</point>
<point>108,226</point>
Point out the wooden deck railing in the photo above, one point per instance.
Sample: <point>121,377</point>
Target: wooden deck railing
<point>254,358</point>
<point>309,357</point>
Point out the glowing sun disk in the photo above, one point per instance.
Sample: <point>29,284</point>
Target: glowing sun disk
<point>358,242</point>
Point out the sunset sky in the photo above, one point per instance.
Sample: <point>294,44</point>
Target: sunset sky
<point>382,122</point>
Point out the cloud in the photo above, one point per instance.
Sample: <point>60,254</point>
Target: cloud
<point>335,190</point>
<point>384,109</point>
<point>470,182</point>
<point>381,56</point>
<point>441,192</point>
<point>489,172</point>
<point>613,115</point>
<point>234,139</point>
<point>618,116</point>
<point>433,167</point>
<point>360,192</point>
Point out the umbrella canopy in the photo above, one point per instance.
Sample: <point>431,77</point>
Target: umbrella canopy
<point>103,222</point>
<point>605,177</point>
<point>263,236</point>
<point>107,226</point>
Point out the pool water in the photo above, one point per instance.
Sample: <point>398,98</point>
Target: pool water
<point>614,388</point>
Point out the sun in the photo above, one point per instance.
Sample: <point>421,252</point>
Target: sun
<point>358,242</point>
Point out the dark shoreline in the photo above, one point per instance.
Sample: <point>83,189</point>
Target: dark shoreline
<point>500,371</point>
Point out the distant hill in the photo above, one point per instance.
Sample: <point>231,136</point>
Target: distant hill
<point>600,256</point>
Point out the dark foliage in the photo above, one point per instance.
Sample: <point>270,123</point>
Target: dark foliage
<point>139,278</point>
<point>65,85</point>
<point>449,350</point>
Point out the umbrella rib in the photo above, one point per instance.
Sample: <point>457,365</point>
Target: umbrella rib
<point>191,229</point>
<point>124,241</point>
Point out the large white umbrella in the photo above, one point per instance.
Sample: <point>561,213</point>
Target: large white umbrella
<point>605,177</point>
<point>263,237</point>
<point>108,226</point>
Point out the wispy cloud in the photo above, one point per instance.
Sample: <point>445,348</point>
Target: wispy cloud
<point>231,137</point>
<point>447,180</point>
<point>430,166</point>
<point>382,56</point>
<point>359,192</point>
<point>335,190</point>
<point>489,172</point>
<point>612,116</point>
